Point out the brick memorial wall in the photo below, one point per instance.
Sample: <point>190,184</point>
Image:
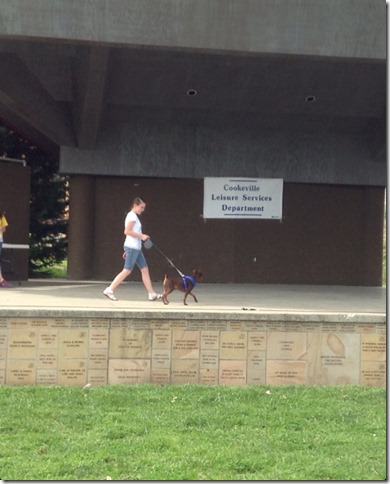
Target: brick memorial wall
<point>52,351</point>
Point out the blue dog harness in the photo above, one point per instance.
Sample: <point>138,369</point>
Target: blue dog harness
<point>190,278</point>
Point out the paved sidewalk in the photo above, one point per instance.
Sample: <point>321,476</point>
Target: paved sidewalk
<point>87,295</point>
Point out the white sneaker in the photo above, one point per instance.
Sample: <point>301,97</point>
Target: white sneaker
<point>108,293</point>
<point>154,296</point>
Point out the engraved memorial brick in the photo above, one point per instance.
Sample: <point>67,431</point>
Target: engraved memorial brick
<point>19,323</point>
<point>286,346</point>
<point>47,358</point>
<point>161,339</point>
<point>209,340</point>
<point>373,347</point>
<point>46,377</point>
<point>337,345</point>
<point>233,345</point>
<point>185,344</point>
<point>236,326</point>
<point>160,325</point>
<point>293,327</point>
<point>3,339</point>
<point>73,343</point>
<point>72,372</point>
<point>128,343</point>
<point>119,324</point>
<point>208,376</point>
<point>232,372</point>
<point>21,372</point>
<point>185,371</point>
<point>161,358</point>
<point>98,358</point>
<point>216,325</point>
<point>256,326</point>
<point>22,343</point>
<point>161,376</point>
<point>373,373</point>
<point>179,325</point>
<point>333,358</point>
<point>256,360</point>
<point>283,372</point>
<point>209,359</point>
<point>98,338</point>
<point>328,327</point>
<point>97,377</point>
<point>365,328</point>
<point>128,371</point>
<point>59,323</point>
<point>102,323</point>
<point>274,326</point>
<point>140,325</point>
<point>79,323</point>
<point>380,328</point>
<point>310,327</point>
<point>39,323</point>
<point>348,328</point>
<point>197,325</point>
<point>256,377</point>
<point>48,338</point>
<point>257,341</point>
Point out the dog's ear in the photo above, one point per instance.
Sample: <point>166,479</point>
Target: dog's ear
<point>198,273</point>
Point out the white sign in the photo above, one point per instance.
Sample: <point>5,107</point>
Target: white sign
<point>243,198</point>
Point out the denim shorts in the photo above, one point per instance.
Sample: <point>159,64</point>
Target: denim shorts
<point>134,256</point>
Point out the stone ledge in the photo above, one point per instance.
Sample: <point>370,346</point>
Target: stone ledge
<point>250,315</point>
<point>198,348</point>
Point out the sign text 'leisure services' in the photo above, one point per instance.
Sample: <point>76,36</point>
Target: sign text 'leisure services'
<point>243,198</point>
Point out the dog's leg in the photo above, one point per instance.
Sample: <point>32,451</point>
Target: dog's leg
<point>165,295</point>
<point>185,297</point>
<point>168,288</point>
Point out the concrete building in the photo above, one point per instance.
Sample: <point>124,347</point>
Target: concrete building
<point>149,97</point>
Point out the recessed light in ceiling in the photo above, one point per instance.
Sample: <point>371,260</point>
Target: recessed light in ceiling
<point>192,92</point>
<point>310,99</point>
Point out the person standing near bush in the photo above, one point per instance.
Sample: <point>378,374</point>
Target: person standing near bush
<point>3,228</point>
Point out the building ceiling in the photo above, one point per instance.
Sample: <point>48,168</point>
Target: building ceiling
<point>58,93</point>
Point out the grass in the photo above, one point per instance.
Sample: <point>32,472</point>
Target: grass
<point>57,271</point>
<point>193,432</point>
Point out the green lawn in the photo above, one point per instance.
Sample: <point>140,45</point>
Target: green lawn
<point>57,271</point>
<point>193,432</point>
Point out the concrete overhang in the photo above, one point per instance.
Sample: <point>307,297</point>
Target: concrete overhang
<point>71,68</point>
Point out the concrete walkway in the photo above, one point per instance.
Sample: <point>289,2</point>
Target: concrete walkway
<point>50,295</point>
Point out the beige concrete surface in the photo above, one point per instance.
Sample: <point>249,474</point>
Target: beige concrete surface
<point>86,296</point>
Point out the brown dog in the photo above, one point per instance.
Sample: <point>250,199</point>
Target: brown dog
<point>184,284</point>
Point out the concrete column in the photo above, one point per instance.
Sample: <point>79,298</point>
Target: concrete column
<point>81,227</point>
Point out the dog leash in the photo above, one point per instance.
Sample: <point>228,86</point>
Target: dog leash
<point>148,244</point>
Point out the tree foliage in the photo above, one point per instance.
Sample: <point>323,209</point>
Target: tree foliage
<point>48,201</point>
